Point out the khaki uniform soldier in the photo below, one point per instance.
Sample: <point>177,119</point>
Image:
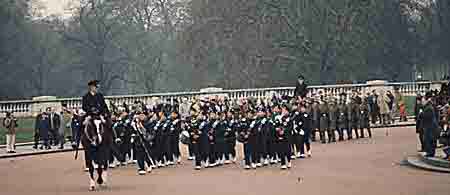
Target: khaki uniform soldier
<point>333,118</point>
<point>350,119</point>
<point>316,119</point>
<point>354,122</point>
<point>323,125</point>
<point>342,119</point>
<point>364,118</point>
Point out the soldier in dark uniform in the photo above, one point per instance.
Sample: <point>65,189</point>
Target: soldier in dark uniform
<point>342,119</point>
<point>174,136</point>
<point>295,138</point>
<point>213,150</point>
<point>195,134</point>
<point>282,128</point>
<point>304,125</point>
<point>364,121</point>
<point>220,137</point>
<point>243,137</point>
<point>232,122</point>
<point>324,120</point>
<point>204,128</point>
<point>355,117</point>
<point>333,118</point>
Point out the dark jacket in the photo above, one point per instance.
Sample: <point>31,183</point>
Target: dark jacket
<point>97,101</point>
<point>301,90</point>
<point>42,125</point>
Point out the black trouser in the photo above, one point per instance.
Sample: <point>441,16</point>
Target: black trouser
<point>54,137</point>
<point>331,135</point>
<point>230,149</point>
<point>295,144</point>
<point>429,142</point>
<point>190,150</point>
<point>353,127</point>
<point>304,140</point>
<point>176,146</point>
<point>212,153</point>
<point>36,139</point>
<point>43,135</point>
<point>197,153</point>
<point>76,134</point>
<point>271,148</point>
<point>341,133</point>
<point>125,149</point>
<point>249,154</point>
<point>143,157</point>
<point>284,152</point>
<point>264,148</point>
<point>322,134</point>
<point>362,132</point>
<point>115,152</point>
<point>374,116</point>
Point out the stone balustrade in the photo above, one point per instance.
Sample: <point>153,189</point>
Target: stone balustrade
<point>27,108</point>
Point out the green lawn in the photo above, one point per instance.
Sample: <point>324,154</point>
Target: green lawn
<point>25,132</point>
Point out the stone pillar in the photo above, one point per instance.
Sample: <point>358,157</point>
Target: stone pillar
<point>217,92</point>
<point>380,86</point>
<point>42,102</point>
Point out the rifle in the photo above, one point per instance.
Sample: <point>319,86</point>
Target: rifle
<point>141,136</point>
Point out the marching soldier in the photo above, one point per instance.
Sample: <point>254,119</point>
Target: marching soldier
<point>282,128</point>
<point>333,118</point>
<point>232,122</point>
<point>212,148</point>
<point>195,135</point>
<point>204,139</point>
<point>295,138</point>
<point>364,118</point>
<point>220,137</point>
<point>174,136</point>
<point>243,137</point>
<point>304,126</point>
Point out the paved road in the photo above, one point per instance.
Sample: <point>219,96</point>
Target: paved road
<point>368,166</point>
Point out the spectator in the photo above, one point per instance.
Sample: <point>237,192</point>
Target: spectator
<point>10,123</point>
<point>55,123</point>
<point>42,127</point>
<point>65,118</point>
<point>374,109</point>
<point>383,101</point>
<point>398,102</point>
<point>185,108</point>
<point>390,116</point>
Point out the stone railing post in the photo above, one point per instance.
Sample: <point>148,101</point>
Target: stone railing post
<point>380,86</point>
<point>43,102</point>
